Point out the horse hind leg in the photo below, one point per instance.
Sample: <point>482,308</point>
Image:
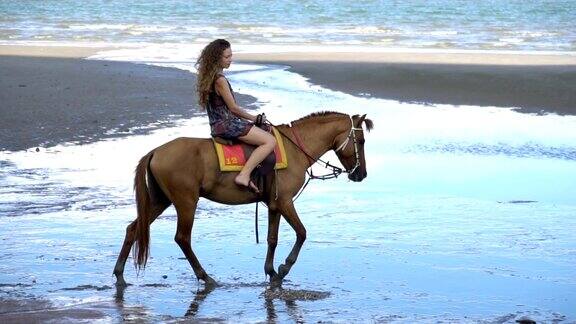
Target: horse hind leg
<point>185,209</point>
<point>129,239</point>
<point>273,225</point>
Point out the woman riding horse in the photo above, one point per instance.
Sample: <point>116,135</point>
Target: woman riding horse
<point>227,119</point>
<point>183,170</point>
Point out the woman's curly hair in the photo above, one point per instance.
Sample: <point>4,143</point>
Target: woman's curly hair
<point>208,67</point>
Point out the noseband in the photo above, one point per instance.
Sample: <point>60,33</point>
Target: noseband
<point>351,134</point>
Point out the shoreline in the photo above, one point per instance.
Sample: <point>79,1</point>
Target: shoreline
<point>530,83</point>
<point>52,95</point>
<point>56,51</point>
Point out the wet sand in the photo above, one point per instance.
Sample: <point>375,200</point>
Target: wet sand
<point>532,83</point>
<point>41,311</point>
<point>47,100</point>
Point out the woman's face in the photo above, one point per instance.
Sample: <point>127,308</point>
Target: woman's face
<point>226,58</point>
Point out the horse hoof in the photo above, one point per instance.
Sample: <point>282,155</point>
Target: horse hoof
<point>210,283</point>
<point>275,282</point>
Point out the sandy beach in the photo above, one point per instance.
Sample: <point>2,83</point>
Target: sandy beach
<point>531,83</point>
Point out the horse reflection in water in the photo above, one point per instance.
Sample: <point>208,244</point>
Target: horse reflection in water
<point>185,169</point>
<point>273,296</point>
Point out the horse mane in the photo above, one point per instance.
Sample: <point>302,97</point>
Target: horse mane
<point>369,124</point>
<point>318,114</point>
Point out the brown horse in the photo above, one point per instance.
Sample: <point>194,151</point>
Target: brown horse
<point>185,169</point>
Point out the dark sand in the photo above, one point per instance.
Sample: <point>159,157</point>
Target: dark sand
<point>544,84</point>
<point>45,101</point>
<point>41,311</point>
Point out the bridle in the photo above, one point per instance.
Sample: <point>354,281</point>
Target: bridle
<point>335,171</point>
<point>351,134</point>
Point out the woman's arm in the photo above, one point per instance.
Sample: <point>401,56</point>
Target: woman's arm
<point>223,90</point>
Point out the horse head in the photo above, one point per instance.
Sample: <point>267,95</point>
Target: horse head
<point>350,148</point>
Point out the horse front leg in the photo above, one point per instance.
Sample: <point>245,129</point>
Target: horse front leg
<point>273,225</point>
<point>287,210</point>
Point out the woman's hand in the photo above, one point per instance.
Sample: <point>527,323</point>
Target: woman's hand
<point>260,119</point>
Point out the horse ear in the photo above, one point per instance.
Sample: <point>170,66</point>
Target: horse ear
<point>369,124</point>
<point>359,121</point>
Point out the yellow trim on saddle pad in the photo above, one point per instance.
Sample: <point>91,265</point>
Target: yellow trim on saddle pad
<point>236,163</point>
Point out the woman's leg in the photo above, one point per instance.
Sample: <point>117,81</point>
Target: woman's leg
<point>266,143</point>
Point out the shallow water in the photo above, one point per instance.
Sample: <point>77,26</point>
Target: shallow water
<point>466,216</point>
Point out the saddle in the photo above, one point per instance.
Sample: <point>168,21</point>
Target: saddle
<point>233,154</point>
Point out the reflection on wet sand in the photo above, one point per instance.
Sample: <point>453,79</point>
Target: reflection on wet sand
<point>291,307</point>
<point>200,296</point>
<point>273,297</point>
<point>126,312</point>
<point>289,296</point>
<point>278,292</point>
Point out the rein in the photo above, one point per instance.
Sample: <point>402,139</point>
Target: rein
<point>336,171</point>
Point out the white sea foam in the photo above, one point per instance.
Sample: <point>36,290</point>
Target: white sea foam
<point>510,40</point>
<point>530,33</point>
<point>86,27</point>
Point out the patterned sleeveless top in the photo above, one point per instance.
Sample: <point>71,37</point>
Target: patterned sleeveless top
<point>223,122</point>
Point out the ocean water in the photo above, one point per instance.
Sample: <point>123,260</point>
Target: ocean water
<point>544,25</point>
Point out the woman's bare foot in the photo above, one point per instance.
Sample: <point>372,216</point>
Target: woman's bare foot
<point>246,182</point>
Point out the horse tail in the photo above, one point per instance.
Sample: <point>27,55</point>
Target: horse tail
<point>141,246</point>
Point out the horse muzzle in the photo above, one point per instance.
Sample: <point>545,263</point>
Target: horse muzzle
<point>357,175</point>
